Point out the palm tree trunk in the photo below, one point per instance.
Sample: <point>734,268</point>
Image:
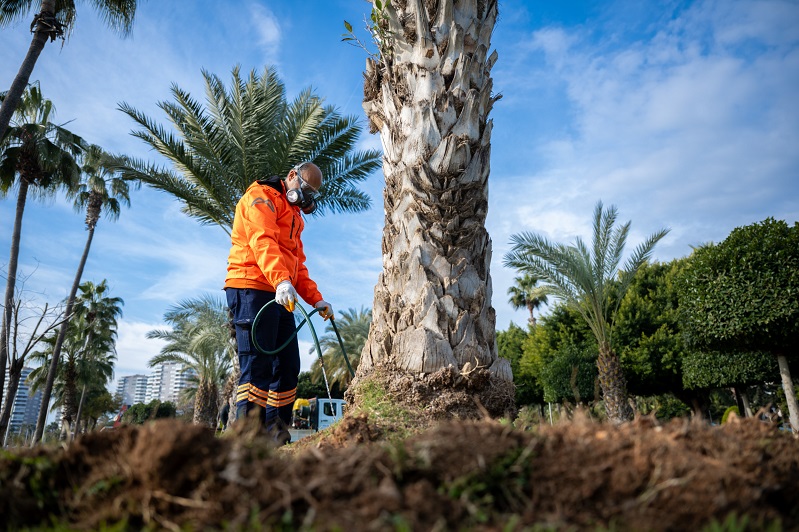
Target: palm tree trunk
<point>11,280</point>
<point>14,374</point>
<point>229,391</point>
<point>614,385</point>
<point>40,35</point>
<point>80,411</point>
<point>430,101</point>
<point>51,373</point>
<point>206,404</point>
<point>68,402</point>
<point>790,392</point>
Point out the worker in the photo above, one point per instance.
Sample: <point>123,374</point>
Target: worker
<point>267,262</point>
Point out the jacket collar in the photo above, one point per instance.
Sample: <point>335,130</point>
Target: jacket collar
<point>275,182</point>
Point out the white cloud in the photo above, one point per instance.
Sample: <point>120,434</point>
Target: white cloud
<point>268,31</point>
<point>134,349</point>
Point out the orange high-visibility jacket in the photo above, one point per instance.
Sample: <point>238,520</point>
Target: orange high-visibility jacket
<point>266,246</point>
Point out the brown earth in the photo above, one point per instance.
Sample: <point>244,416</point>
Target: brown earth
<point>456,475</point>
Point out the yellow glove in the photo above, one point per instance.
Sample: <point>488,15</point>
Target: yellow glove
<point>325,309</point>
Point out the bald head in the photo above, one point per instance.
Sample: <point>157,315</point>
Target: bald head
<point>310,173</point>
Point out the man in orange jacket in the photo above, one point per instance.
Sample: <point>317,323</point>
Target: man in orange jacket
<point>267,262</point>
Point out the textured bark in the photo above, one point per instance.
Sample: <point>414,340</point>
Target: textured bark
<point>614,386</point>
<point>206,404</point>
<point>790,393</point>
<point>80,413</point>
<point>14,94</point>
<point>69,404</point>
<point>430,99</point>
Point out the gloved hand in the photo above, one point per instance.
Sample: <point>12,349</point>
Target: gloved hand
<point>326,309</point>
<point>286,295</point>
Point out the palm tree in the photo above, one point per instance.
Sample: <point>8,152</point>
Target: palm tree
<point>589,281</point>
<point>247,132</point>
<point>87,350</point>
<point>55,18</point>
<point>88,354</point>
<point>95,323</point>
<point>38,158</point>
<point>525,294</point>
<point>200,340</point>
<point>429,93</point>
<point>353,327</point>
<point>101,191</point>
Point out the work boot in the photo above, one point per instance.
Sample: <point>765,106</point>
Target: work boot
<point>278,432</point>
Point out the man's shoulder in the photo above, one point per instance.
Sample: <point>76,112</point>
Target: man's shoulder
<point>262,192</point>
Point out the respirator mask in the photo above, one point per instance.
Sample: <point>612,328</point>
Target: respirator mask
<point>303,197</point>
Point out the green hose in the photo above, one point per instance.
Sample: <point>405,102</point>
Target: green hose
<point>307,320</point>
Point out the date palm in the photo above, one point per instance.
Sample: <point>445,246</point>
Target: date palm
<point>54,19</point>
<point>38,158</point>
<point>353,327</point>
<point>200,340</point>
<point>101,191</point>
<point>428,92</point>
<point>589,280</point>
<point>525,294</point>
<point>244,132</point>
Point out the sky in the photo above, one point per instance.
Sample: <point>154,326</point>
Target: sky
<point>684,115</point>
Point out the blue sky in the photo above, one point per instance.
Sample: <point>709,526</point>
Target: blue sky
<point>682,114</point>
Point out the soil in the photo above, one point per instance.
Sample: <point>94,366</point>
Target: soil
<point>418,453</point>
<point>453,475</point>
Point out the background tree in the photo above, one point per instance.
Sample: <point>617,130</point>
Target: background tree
<point>245,132</point>
<point>590,281</point>
<point>200,340</point>
<point>559,355</point>
<point>308,388</point>
<point>353,327</point>
<point>743,295</point>
<point>708,370</point>
<point>141,413</point>
<point>38,157</point>
<point>95,322</point>
<point>428,91</point>
<point>99,404</point>
<point>525,294</point>
<point>55,19</point>
<point>22,341</point>
<point>101,191</point>
<point>510,345</point>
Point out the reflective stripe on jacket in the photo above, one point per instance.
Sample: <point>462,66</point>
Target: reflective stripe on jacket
<point>267,248</point>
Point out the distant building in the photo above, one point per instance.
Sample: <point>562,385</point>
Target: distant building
<point>167,381</point>
<point>132,389</point>
<point>25,410</point>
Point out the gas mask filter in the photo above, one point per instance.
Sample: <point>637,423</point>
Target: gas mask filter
<point>304,199</point>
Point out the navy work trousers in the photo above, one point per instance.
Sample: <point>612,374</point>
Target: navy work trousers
<point>268,383</point>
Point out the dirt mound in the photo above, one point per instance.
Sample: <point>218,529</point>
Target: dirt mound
<point>455,475</point>
<point>472,393</point>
